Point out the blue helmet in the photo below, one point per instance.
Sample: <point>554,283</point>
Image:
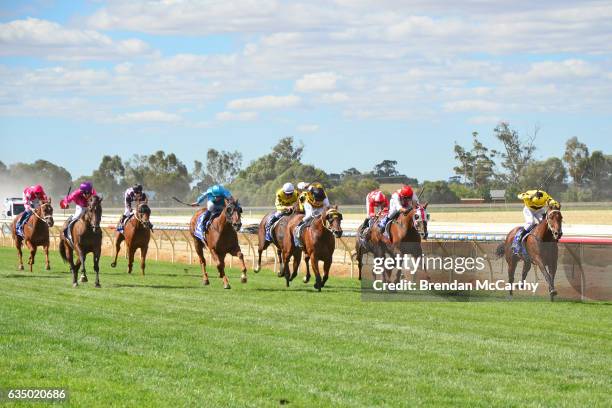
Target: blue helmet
<point>217,190</point>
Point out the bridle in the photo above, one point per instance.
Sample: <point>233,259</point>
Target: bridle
<point>330,215</point>
<point>41,218</point>
<point>548,222</point>
<point>229,212</point>
<point>137,217</point>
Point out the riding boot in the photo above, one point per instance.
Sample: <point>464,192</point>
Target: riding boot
<point>205,219</point>
<point>19,226</point>
<point>269,224</point>
<point>518,238</point>
<point>120,225</point>
<point>297,234</point>
<point>68,231</point>
<point>383,223</point>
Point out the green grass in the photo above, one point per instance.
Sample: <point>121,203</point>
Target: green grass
<point>164,340</point>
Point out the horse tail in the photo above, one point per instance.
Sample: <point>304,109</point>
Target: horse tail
<point>501,249</point>
<point>62,250</point>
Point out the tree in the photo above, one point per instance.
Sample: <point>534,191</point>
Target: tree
<point>598,175</point>
<point>476,165</point>
<point>222,167</point>
<point>576,157</point>
<point>286,151</point>
<point>164,174</point>
<point>517,153</point>
<point>386,168</point>
<point>550,175</point>
<point>352,172</point>
<point>55,179</point>
<point>438,192</point>
<point>110,177</point>
<point>201,177</point>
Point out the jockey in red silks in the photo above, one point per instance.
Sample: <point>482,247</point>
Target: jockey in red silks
<point>80,198</point>
<point>403,199</point>
<point>376,204</point>
<point>33,197</point>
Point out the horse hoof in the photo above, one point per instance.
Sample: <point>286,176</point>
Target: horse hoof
<point>243,279</point>
<point>20,267</point>
<point>206,282</point>
<point>306,279</point>
<point>48,268</point>
<point>280,274</point>
<point>256,270</point>
<point>98,285</point>
<point>83,279</point>
<point>75,285</point>
<point>113,265</point>
<point>228,286</point>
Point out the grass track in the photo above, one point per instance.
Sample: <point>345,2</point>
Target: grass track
<point>165,340</point>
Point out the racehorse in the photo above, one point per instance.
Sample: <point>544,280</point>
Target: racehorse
<point>86,237</point>
<point>318,244</point>
<point>220,238</point>
<point>541,246</point>
<point>137,234</point>
<point>277,231</point>
<point>406,232</point>
<point>35,234</point>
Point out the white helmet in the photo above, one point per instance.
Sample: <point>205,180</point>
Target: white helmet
<point>302,185</point>
<point>288,188</point>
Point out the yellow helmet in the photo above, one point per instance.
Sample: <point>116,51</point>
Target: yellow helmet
<point>535,198</point>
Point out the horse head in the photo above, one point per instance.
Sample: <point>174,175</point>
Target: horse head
<point>233,214</point>
<point>554,220</point>
<point>420,218</point>
<point>333,220</point>
<point>94,212</point>
<point>46,212</point>
<point>143,214</point>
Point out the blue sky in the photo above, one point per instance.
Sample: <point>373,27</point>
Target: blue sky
<point>357,82</point>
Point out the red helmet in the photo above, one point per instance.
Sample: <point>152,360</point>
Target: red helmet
<point>406,192</point>
<point>38,189</point>
<point>378,197</point>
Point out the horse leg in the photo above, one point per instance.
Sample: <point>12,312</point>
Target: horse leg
<point>32,248</point>
<point>18,243</point>
<point>526,269</point>
<point>73,269</point>
<point>512,261</point>
<point>82,257</point>
<point>221,269</point>
<point>315,268</point>
<point>118,240</point>
<point>96,266</point>
<point>359,257</point>
<point>143,259</point>
<point>260,248</point>
<point>47,264</point>
<point>326,267</point>
<point>297,258</point>
<point>199,247</point>
<point>552,269</point>
<point>237,252</point>
<point>281,263</point>
<point>307,262</point>
<point>131,253</point>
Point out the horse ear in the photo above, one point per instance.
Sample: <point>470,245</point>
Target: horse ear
<point>425,205</point>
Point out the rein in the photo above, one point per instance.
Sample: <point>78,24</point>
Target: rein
<point>38,216</point>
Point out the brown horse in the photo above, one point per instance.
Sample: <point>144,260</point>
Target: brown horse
<point>318,244</point>
<point>221,239</point>
<point>35,234</point>
<point>87,237</point>
<point>406,232</point>
<point>278,237</point>
<point>542,247</point>
<point>136,234</point>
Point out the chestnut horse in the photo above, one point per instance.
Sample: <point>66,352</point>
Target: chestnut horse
<point>87,237</point>
<point>221,239</point>
<point>319,244</point>
<point>35,234</point>
<point>542,249</point>
<point>405,234</point>
<point>278,237</point>
<point>136,234</point>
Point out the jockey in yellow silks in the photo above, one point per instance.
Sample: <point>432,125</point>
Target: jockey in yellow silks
<point>286,197</point>
<point>536,203</point>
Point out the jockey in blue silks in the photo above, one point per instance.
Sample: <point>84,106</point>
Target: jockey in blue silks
<point>216,196</point>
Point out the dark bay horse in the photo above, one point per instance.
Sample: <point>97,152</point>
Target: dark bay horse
<point>35,234</point>
<point>221,239</point>
<point>319,243</point>
<point>406,232</point>
<point>136,234</point>
<point>542,247</point>
<point>278,232</point>
<point>87,237</point>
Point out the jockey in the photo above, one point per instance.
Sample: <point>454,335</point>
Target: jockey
<point>216,196</point>
<point>376,204</point>
<point>402,200</point>
<point>80,198</point>
<point>313,200</point>
<point>33,197</point>
<point>286,197</point>
<point>132,194</point>
<point>534,211</point>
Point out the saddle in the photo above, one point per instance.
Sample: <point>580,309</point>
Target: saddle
<point>200,230</point>
<point>22,221</point>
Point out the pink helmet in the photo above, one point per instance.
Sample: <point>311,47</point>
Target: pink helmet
<point>378,197</point>
<point>38,189</point>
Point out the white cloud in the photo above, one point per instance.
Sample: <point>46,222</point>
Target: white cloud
<point>320,81</point>
<point>308,128</point>
<point>265,102</point>
<point>42,38</point>
<point>148,116</point>
<point>236,116</point>
<point>471,105</point>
